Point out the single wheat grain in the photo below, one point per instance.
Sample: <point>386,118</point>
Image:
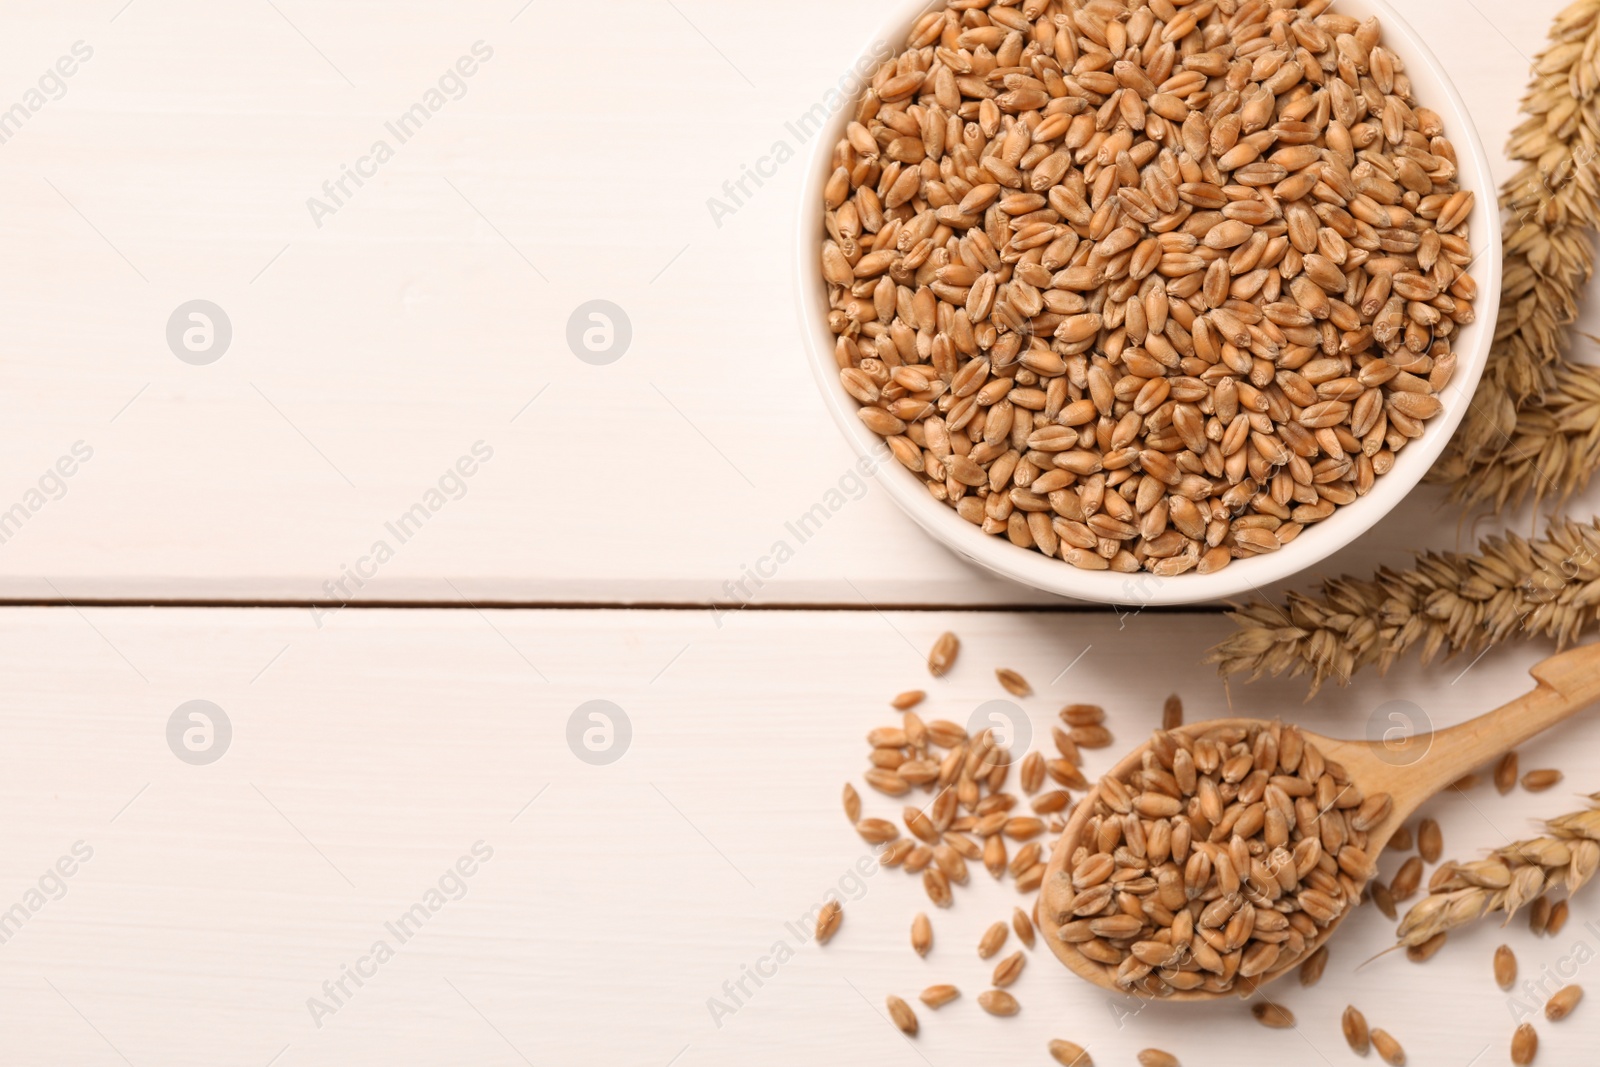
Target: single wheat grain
<point>1540,780</point>
<point>1311,970</point>
<point>828,921</point>
<point>1069,1055</point>
<point>1524,1045</point>
<point>1023,926</point>
<point>1388,1048</point>
<point>993,938</point>
<point>921,934</point>
<point>1384,899</point>
<point>1539,916</point>
<point>1008,970</point>
<point>1505,967</point>
<point>901,1015</point>
<point>998,1002</point>
<point>1505,773</point>
<point>1430,841</point>
<point>1272,1015</point>
<point>1560,1006</point>
<point>943,654</point>
<point>1013,683</point>
<point>1355,1029</point>
<point>1425,951</point>
<point>1172,713</point>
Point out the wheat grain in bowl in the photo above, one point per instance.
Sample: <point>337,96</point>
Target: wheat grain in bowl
<point>1144,286</point>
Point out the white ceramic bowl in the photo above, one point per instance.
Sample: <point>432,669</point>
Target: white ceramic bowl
<point>1433,89</point>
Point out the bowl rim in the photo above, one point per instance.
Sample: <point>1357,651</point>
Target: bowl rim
<point>1318,541</point>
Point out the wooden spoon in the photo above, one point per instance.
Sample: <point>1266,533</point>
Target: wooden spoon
<point>1411,770</point>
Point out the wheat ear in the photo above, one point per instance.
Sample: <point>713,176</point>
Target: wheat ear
<point>1534,424</point>
<point>1448,603</point>
<point>1511,877</point>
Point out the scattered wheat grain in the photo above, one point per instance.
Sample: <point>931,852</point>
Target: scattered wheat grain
<point>1505,967</point>
<point>1539,916</point>
<point>852,803</point>
<point>1355,1030</point>
<point>1272,1015</point>
<point>1023,926</point>
<point>1384,899</point>
<point>1426,950</point>
<point>1539,781</point>
<point>1560,1006</point>
<point>1311,970</point>
<point>1009,969</point>
<point>1524,1045</point>
<point>828,921</point>
<point>1013,683</point>
<point>901,1015</point>
<point>943,655</point>
<point>1069,1055</point>
<point>937,885</point>
<point>998,1002</point>
<point>992,940</point>
<point>1505,773</point>
<point>1430,842</point>
<point>1388,1048</point>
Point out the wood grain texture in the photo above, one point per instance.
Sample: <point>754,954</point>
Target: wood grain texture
<point>368,756</point>
<point>430,310</point>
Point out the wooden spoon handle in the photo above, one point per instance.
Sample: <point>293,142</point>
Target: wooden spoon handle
<point>1568,683</point>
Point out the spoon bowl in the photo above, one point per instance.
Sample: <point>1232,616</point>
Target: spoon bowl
<point>1411,770</point>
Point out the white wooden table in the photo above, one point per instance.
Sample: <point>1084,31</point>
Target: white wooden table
<point>420,322</point>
